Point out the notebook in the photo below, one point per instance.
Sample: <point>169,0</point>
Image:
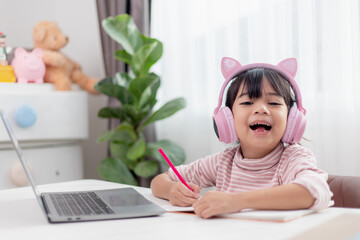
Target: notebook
<point>86,205</point>
<point>249,214</point>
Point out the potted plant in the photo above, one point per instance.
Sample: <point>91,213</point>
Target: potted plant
<point>132,157</point>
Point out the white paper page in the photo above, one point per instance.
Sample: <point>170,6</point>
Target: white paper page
<point>266,215</point>
<point>269,215</point>
<point>165,204</point>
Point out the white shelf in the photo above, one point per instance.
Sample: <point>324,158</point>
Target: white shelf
<point>52,144</point>
<point>60,114</point>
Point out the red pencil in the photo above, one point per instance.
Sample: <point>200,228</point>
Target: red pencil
<point>173,168</point>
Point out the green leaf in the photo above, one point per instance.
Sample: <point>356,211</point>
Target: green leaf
<point>145,98</point>
<point>108,112</point>
<point>175,153</point>
<point>137,150</point>
<point>119,150</point>
<point>105,136</point>
<point>132,112</point>
<point>122,55</point>
<point>123,30</point>
<point>145,57</point>
<point>124,133</point>
<point>155,55</point>
<point>165,111</point>
<point>148,83</point>
<point>149,94</point>
<point>142,114</point>
<point>139,84</point>
<point>114,170</point>
<point>116,91</point>
<point>122,79</point>
<point>146,168</point>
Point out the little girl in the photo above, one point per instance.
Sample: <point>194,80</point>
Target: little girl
<point>266,169</point>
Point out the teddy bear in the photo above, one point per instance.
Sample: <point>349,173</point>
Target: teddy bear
<point>60,70</point>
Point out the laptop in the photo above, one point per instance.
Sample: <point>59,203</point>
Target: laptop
<point>86,205</point>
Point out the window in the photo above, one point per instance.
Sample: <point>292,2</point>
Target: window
<point>322,34</point>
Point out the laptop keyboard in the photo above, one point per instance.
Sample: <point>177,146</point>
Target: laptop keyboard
<point>79,204</point>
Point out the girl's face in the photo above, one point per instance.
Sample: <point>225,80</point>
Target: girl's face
<point>259,123</point>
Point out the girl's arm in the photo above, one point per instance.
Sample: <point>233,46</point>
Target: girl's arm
<point>177,193</point>
<point>290,196</point>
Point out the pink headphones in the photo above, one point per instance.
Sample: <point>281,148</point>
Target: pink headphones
<point>223,118</point>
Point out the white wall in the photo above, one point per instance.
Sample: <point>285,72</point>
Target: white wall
<point>77,19</point>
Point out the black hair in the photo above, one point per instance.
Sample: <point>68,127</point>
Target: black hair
<point>253,80</point>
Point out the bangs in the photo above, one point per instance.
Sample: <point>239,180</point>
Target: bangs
<point>252,81</point>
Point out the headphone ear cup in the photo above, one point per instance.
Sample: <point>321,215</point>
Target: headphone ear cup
<point>224,125</point>
<point>295,126</point>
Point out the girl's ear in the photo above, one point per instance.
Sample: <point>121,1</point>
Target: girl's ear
<point>289,65</point>
<point>229,66</point>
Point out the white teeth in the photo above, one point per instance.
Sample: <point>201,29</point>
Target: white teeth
<point>260,124</point>
<point>256,125</point>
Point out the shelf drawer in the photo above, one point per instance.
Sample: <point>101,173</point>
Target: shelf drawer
<point>55,115</point>
<point>48,164</point>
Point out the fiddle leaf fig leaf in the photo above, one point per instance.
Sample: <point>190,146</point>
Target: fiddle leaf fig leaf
<point>144,85</point>
<point>132,112</point>
<point>124,133</point>
<point>119,150</point>
<point>122,55</point>
<point>105,136</point>
<point>116,91</point>
<point>145,57</point>
<point>165,111</point>
<point>109,112</point>
<point>137,150</point>
<point>146,168</point>
<point>148,96</point>
<point>122,79</point>
<point>114,170</point>
<point>154,55</point>
<point>175,153</point>
<point>123,30</point>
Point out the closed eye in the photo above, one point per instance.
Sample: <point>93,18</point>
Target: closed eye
<point>246,103</point>
<point>274,103</point>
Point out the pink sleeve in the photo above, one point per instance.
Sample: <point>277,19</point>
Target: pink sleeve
<point>201,172</point>
<point>302,170</point>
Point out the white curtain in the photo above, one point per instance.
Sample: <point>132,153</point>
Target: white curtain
<point>322,34</point>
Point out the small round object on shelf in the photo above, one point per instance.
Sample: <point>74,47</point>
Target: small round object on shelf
<point>26,116</point>
<point>18,175</point>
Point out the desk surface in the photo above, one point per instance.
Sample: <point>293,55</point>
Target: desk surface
<point>22,218</point>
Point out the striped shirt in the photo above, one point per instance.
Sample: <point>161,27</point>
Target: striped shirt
<point>229,171</point>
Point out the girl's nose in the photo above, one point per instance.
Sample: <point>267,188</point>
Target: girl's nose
<point>261,109</point>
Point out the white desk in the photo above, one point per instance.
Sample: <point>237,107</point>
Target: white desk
<point>22,218</point>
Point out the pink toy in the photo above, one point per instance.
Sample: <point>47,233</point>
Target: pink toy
<point>223,118</point>
<point>28,66</point>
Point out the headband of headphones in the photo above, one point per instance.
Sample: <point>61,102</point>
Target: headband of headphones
<point>287,68</point>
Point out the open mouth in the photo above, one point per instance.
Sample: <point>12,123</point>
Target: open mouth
<point>260,127</point>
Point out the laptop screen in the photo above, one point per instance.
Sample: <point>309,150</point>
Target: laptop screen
<point>21,158</point>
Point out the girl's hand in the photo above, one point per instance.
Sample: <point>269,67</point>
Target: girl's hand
<point>180,195</point>
<point>215,203</point>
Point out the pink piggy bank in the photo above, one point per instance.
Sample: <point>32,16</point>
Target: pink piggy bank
<point>28,66</point>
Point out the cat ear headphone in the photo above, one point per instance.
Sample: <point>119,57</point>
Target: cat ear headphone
<point>223,118</point>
